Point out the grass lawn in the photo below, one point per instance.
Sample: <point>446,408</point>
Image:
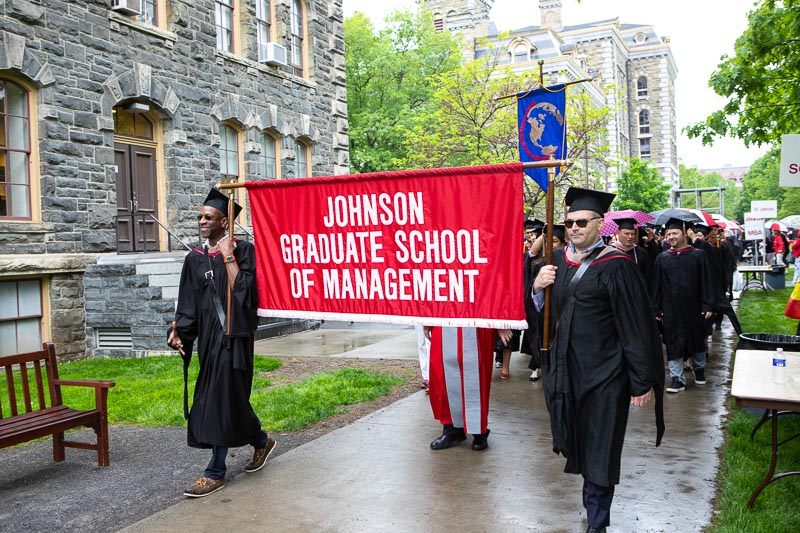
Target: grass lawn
<point>149,391</point>
<point>744,462</point>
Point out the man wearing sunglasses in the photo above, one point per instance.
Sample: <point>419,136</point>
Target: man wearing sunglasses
<point>598,366</point>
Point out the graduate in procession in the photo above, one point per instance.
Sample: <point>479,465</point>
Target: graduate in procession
<point>683,299</point>
<point>598,364</point>
<point>626,242</point>
<point>221,416</point>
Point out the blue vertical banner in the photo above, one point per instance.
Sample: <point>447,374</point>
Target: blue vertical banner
<point>542,128</point>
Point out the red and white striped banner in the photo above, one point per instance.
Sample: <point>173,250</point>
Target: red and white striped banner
<point>436,247</point>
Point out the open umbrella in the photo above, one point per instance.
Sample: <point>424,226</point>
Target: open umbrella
<point>775,225</point>
<point>664,215</point>
<point>709,220</point>
<point>610,226</point>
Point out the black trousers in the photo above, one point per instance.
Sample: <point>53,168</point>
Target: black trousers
<point>597,501</point>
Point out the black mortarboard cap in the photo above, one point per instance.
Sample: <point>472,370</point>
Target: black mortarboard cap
<point>528,224</point>
<point>626,223</point>
<point>676,223</point>
<point>578,199</point>
<point>558,231</point>
<point>219,201</point>
<point>701,228</point>
<point>538,225</point>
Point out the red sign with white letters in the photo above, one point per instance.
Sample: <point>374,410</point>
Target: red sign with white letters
<point>434,247</point>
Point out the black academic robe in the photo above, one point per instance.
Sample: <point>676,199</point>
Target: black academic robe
<point>530,337</point>
<point>644,261</point>
<point>221,414</point>
<point>605,350</point>
<point>682,291</point>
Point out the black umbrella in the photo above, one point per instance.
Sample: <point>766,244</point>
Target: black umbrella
<point>662,217</point>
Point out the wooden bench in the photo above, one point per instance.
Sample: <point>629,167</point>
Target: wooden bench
<point>45,414</point>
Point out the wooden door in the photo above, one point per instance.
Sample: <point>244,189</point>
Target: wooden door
<point>137,197</point>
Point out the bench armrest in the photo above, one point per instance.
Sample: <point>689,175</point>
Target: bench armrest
<point>85,383</point>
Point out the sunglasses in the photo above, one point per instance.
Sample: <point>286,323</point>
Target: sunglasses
<point>581,222</point>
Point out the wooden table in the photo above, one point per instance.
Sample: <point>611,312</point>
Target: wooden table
<point>754,276</point>
<point>753,387</point>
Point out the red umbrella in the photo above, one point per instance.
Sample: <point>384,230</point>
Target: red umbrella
<point>610,227</point>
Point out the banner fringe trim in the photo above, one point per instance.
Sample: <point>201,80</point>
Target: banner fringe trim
<point>394,319</point>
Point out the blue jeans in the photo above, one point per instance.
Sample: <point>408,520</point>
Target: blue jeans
<point>676,366</point>
<point>216,467</point>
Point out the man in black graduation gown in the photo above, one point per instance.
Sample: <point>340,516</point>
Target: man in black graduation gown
<point>221,416</point>
<point>683,299</point>
<point>626,242</point>
<point>598,365</point>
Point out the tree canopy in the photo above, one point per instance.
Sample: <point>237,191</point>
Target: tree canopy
<point>691,178</point>
<point>641,186</point>
<point>761,81</point>
<point>389,79</point>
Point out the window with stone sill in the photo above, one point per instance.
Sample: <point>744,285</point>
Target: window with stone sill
<point>149,13</point>
<point>20,316</point>
<point>263,21</point>
<point>521,53</point>
<point>644,148</point>
<point>223,20</point>
<point>302,158</point>
<point>228,154</point>
<point>15,152</point>
<point>297,38</point>
<point>641,86</point>
<point>268,159</point>
<point>644,122</point>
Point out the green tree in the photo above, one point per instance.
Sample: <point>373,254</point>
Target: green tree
<point>761,81</point>
<point>761,183</point>
<point>691,178</point>
<point>389,79</point>
<point>471,121</point>
<point>641,186</point>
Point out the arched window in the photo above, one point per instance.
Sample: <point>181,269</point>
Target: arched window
<point>228,153</point>
<point>15,152</point>
<point>641,86</point>
<point>521,53</point>
<point>268,160</point>
<point>296,40</point>
<point>302,157</point>
<point>644,122</point>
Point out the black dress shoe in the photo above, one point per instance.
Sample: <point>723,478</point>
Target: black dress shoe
<point>450,437</point>
<point>480,441</point>
<point>596,530</point>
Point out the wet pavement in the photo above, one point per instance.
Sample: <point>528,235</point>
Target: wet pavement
<point>379,474</point>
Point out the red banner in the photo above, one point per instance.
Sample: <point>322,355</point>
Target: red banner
<point>435,247</point>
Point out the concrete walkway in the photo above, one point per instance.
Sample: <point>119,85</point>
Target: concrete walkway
<point>379,474</point>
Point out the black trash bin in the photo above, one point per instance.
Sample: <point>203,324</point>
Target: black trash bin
<point>776,278</point>
<point>768,341</point>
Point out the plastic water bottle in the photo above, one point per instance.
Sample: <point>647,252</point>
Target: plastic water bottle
<point>779,366</point>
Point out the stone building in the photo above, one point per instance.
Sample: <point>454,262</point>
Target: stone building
<point>116,118</point>
<point>632,67</point>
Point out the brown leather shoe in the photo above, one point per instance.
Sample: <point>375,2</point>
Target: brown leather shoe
<point>260,457</point>
<point>204,486</point>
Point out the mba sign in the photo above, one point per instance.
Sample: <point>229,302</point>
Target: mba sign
<point>790,161</point>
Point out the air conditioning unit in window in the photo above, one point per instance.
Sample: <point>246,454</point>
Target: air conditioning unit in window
<point>127,7</point>
<point>272,54</point>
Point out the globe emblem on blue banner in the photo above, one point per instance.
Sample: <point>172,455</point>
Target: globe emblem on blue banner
<point>541,129</point>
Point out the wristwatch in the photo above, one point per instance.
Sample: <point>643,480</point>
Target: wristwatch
<point>228,259</point>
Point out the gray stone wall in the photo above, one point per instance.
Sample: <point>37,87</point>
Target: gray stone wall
<point>79,60</point>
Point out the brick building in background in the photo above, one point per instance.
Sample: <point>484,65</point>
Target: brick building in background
<point>632,66</point>
<point>117,117</point>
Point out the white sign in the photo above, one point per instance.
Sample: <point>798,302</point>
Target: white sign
<point>790,161</point>
<point>764,208</point>
<point>753,227</point>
